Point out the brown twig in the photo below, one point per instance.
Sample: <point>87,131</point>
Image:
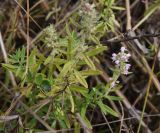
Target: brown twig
<point>28,39</point>
<point>86,129</point>
<point>147,91</point>
<point>122,117</point>
<point>128,27</point>
<point>31,112</point>
<point>102,124</point>
<point>13,81</point>
<point>27,13</point>
<point>8,118</point>
<point>146,67</point>
<point>107,122</point>
<point>128,38</point>
<point>126,102</point>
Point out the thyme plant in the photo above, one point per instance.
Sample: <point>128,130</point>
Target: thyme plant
<point>61,74</point>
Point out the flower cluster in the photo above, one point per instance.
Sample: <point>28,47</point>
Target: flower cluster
<point>121,60</point>
<point>51,37</point>
<point>89,17</point>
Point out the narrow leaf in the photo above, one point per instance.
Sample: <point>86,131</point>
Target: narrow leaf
<point>89,62</point>
<point>81,79</point>
<point>72,101</point>
<point>66,68</point>
<point>106,109</point>
<point>90,72</point>
<point>96,51</point>
<point>114,98</point>
<point>79,89</point>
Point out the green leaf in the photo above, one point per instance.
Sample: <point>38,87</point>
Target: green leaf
<point>20,71</point>
<point>48,60</point>
<point>32,123</point>
<point>39,78</point>
<point>69,49</point>
<point>71,101</point>
<point>106,109</point>
<point>90,72</point>
<point>100,29</point>
<point>46,85</point>
<point>28,91</point>
<point>96,51</point>
<point>53,125</point>
<point>114,98</point>
<point>30,77</point>
<point>10,67</point>
<point>74,22</point>
<point>79,89</point>
<point>95,40</point>
<point>87,122</point>
<point>66,68</point>
<point>81,79</point>
<point>32,57</point>
<point>83,110</point>
<point>41,57</point>
<point>67,121</point>
<point>18,57</point>
<point>89,62</point>
<point>62,123</point>
<point>59,61</point>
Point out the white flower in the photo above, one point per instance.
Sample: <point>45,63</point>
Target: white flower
<point>125,72</point>
<point>124,58</point>
<point>121,60</point>
<point>128,66</point>
<point>123,49</point>
<point>114,56</point>
<point>117,62</point>
<point>128,55</point>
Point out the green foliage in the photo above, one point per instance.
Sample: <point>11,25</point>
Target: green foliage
<point>61,74</point>
<point>152,8</point>
<point>18,61</point>
<point>108,14</point>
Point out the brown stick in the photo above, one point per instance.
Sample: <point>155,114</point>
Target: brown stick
<point>13,81</point>
<point>86,129</point>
